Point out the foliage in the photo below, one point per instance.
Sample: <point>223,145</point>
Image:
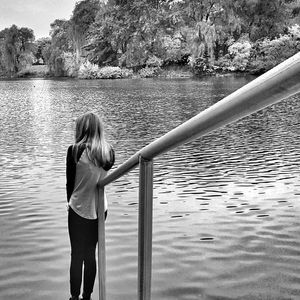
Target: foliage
<point>237,58</point>
<point>294,31</point>
<point>40,46</point>
<point>205,35</point>
<point>16,45</point>
<point>261,19</point>
<point>149,72</point>
<point>100,47</point>
<point>113,73</point>
<point>61,43</point>
<point>154,61</point>
<point>127,34</point>
<point>175,50</point>
<point>202,66</point>
<point>206,27</point>
<point>239,53</point>
<point>262,55</point>
<point>83,17</point>
<point>25,59</point>
<point>61,35</point>
<point>34,71</point>
<point>267,53</point>
<point>69,64</point>
<point>153,67</point>
<point>88,70</point>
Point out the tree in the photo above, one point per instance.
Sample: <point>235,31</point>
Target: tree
<point>262,18</point>
<point>83,16</point>
<point>40,46</point>
<point>61,42</point>
<point>61,35</point>
<point>267,53</point>
<point>126,33</point>
<point>16,47</point>
<point>210,27</point>
<point>206,26</point>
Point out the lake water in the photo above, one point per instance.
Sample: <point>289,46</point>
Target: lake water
<point>226,219</point>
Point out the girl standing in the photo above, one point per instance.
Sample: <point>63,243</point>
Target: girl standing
<point>88,161</point>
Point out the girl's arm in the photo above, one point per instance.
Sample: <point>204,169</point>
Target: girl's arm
<point>70,173</point>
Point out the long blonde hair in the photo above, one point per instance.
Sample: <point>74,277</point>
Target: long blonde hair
<point>90,131</point>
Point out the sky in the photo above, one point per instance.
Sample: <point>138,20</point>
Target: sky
<point>34,14</point>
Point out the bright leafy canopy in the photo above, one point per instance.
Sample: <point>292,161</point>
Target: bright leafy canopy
<point>130,33</point>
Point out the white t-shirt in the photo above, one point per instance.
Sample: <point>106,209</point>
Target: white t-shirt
<point>86,195</point>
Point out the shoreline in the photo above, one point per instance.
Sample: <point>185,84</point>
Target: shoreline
<point>164,74</point>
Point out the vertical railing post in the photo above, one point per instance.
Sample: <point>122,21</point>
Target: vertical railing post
<point>145,229</point>
<point>101,248</point>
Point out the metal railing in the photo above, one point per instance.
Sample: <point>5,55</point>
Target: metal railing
<point>277,84</point>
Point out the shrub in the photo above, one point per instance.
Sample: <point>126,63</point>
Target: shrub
<point>109,73</point>
<point>149,72</point>
<point>34,71</point>
<point>294,31</point>
<point>153,67</point>
<point>87,70</point>
<point>91,71</point>
<point>269,53</point>
<point>237,58</point>
<point>113,73</point>
<point>70,66</point>
<point>201,65</point>
<point>240,54</point>
<point>127,73</point>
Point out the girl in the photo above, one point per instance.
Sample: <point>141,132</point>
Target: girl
<point>88,161</point>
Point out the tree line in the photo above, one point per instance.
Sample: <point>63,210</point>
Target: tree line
<point>206,36</point>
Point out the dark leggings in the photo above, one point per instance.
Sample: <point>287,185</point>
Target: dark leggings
<point>83,237</point>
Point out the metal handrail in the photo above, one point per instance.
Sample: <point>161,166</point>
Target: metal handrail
<point>275,85</point>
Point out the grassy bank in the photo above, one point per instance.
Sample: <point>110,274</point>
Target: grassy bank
<point>90,72</point>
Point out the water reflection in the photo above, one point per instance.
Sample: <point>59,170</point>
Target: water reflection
<point>42,116</point>
<point>226,209</point>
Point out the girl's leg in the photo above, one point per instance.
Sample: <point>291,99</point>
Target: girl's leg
<point>90,266</point>
<point>77,252</point>
<point>89,273</point>
<point>75,273</point>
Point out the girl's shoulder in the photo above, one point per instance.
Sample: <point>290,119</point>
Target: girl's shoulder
<point>75,151</point>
